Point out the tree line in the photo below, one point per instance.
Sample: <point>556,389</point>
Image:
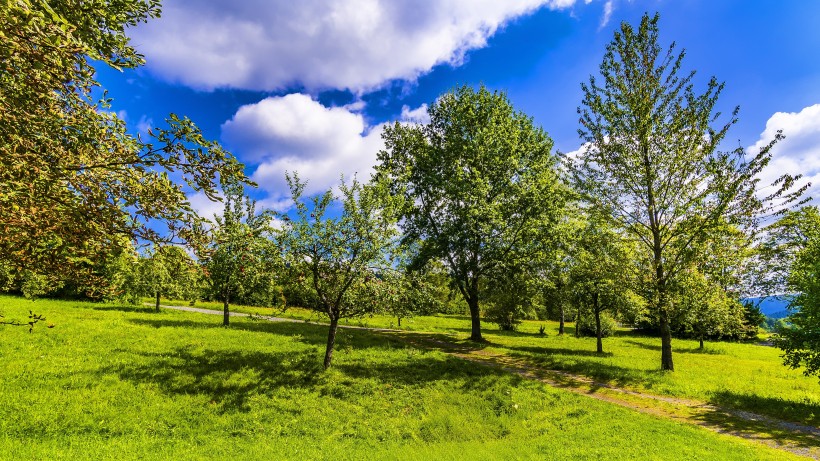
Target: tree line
<point>650,224</point>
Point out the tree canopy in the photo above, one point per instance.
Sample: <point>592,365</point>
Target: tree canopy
<point>339,257</point>
<point>651,160</point>
<point>74,185</point>
<point>480,183</point>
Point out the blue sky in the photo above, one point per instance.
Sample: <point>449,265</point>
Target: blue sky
<point>308,85</point>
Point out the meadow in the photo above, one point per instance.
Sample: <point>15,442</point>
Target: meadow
<point>122,382</point>
<point>742,375</point>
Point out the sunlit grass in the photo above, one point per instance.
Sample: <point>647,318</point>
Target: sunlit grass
<point>118,382</point>
<point>745,376</point>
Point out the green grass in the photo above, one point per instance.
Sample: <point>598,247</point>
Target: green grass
<point>118,382</point>
<point>744,376</point>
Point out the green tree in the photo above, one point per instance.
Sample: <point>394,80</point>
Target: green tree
<point>799,234</point>
<point>233,262</point>
<point>479,179</point>
<point>602,272</point>
<point>339,257</point>
<point>705,308</point>
<point>74,185</point>
<point>167,271</point>
<point>651,161</point>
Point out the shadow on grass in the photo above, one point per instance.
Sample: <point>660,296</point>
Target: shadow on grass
<point>124,308</point>
<point>558,350</point>
<point>804,413</point>
<point>227,378</point>
<point>707,350</point>
<point>800,435</point>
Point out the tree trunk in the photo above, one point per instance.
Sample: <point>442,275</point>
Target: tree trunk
<point>399,318</point>
<point>226,318</point>
<point>475,317</point>
<point>666,343</point>
<point>701,343</point>
<point>561,324</point>
<point>577,321</point>
<point>331,341</point>
<point>157,306</point>
<point>598,324</point>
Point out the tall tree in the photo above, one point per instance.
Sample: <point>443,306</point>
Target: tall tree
<point>74,185</point>
<point>799,236</point>
<point>233,261</point>
<point>339,257</point>
<point>479,179</point>
<point>651,160</point>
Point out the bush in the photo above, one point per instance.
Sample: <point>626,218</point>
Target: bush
<point>586,325</point>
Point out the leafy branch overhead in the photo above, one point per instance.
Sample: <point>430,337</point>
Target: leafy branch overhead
<point>74,184</point>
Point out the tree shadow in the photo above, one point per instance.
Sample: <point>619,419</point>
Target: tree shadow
<point>544,350</point>
<point>229,378</point>
<point>800,412</point>
<point>125,308</point>
<point>774,424</point>
<point>683,350</point>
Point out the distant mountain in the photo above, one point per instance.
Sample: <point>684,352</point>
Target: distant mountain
<point>772,306</point>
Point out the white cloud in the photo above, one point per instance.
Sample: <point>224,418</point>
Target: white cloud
<point>799,153</point>
<point>295,133</point>
<point>417,115</point>
<point>204,206</point>
<point>319,44</point>
<point>608,7</point>
<point>144,125</point>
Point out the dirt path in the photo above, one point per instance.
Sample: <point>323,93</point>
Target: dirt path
<point>795,438</point>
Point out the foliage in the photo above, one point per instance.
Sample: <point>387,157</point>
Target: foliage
<point>75,186</point>
<point>168,271</point>
<point>239,259</point>
<point>339,257</point>
<point>511,297</point>
<point>602,274</point>
<point>800,341</point>
<point>705,309</point>
<point>651,161</point>
<point>405,293</point>
<point>588,327</point>
<point>479,181</point>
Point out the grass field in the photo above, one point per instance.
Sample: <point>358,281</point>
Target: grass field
<point>744,376</point>
<point>119,382</point>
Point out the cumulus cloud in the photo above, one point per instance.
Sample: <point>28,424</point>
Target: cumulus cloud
<point>318,44</point>
<point>799,153</point>
<point>295,133</point>
<point>204,206</point>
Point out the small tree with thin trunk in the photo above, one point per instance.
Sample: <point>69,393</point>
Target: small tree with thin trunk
<point>167,271</point>
<point>602,272</point>
<point>233,263</point>
<point>651,162</point>
<point>339,257</point>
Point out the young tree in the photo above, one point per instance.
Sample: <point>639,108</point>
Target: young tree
<point>479,179</point>
<point>651,161</point>
<point>705,308</point>
<point>168,271</point>
<point>75,184</point>
<point>339,257</point>
<point>511,293</point>
<point>233,262</point>
<point>602,272</point>
<point>799,234</point>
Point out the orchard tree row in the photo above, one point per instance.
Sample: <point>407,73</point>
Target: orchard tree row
<point>650,223</point>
